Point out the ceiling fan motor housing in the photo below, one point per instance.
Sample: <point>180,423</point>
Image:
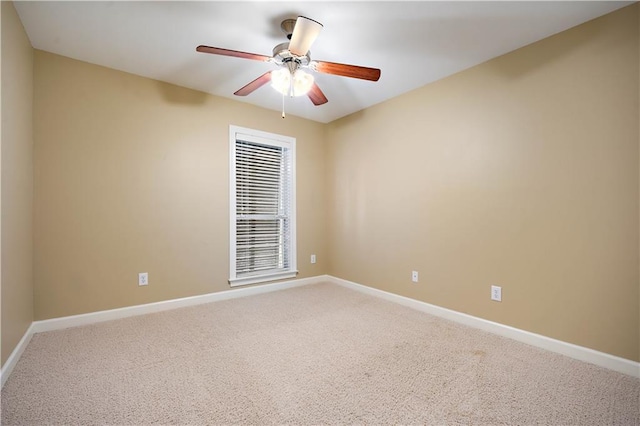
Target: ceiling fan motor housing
<point>282,56</point>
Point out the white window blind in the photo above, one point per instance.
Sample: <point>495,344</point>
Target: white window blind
<point>262,207</point>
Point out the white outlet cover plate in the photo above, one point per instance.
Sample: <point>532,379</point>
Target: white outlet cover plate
<point>143,278</point>
<point>496,293</point>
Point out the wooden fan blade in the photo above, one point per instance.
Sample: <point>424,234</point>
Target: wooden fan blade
<point>255,84</point>
<point>304,34</point>
<point>234,53</point>
<point>353,71</point>
<point>316,95</point>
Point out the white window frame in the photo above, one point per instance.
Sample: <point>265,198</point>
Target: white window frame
<point>272,139</point>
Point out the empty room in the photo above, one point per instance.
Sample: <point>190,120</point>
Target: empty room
<point>320,213</point>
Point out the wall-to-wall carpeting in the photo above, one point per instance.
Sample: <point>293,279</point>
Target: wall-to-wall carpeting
<point>318,354</point>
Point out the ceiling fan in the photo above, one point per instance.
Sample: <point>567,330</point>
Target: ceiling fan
<point>292,58</point>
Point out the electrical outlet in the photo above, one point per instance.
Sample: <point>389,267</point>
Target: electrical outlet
<point>496,293</point>
<point>313,258</point>
<point>414,276</point>
<point>143,278</point>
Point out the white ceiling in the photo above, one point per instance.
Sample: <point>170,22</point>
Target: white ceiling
<point>413,43</point>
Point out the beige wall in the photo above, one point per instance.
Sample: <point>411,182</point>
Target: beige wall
<point>17,181</point>
<point>520,172</point>
<point>132,176</point>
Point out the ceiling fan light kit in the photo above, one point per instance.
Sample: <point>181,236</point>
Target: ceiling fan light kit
<point>297,83</point>
<point>292,58</point>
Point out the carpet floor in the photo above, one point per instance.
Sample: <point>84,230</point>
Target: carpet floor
<point>317,354</point>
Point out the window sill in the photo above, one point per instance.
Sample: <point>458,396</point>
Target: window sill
<point>237,282</point>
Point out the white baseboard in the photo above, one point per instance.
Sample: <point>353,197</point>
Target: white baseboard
<point>8,366</point>
<point>581,353</point>
<point>95,317</point>
<point>574,351</point>
<point>129,311</point>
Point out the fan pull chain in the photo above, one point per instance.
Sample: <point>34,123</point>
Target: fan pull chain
<point>283,106</point>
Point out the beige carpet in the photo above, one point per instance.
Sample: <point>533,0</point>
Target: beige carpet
<point>318,354</point>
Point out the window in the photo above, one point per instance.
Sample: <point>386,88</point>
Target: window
<point>262,200</point>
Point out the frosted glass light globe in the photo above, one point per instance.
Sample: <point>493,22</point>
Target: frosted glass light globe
<point>300,85</point>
